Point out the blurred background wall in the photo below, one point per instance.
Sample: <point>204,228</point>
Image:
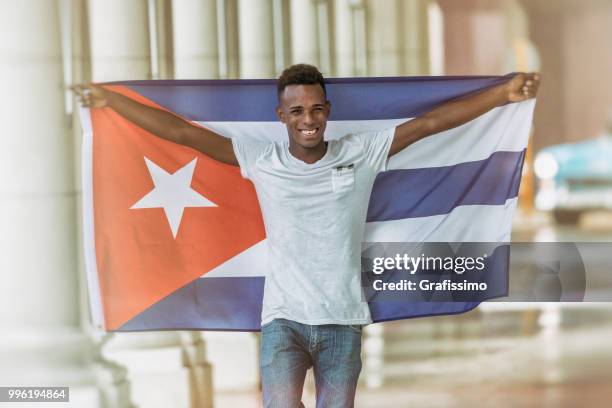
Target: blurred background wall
<point>48,45</point>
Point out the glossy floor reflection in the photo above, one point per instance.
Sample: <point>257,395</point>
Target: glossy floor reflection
<point>559,358</point>
<point>563,365</point>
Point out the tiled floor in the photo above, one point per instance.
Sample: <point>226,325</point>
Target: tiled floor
<point>563,365</point>
<point>559,367</point>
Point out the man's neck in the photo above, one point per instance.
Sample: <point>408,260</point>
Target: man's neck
<point>308,155</point>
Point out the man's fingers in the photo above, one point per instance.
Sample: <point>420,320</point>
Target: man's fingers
<point>524,86</point>
<point>81,89</point>
<point>533,77</point>
<point>78,87</point>
<point>531,84</point>
<point>83,93</point>
<point>89,95</point>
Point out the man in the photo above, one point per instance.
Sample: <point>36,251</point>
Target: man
<point>314,196</point>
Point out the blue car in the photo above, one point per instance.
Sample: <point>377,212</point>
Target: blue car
<point>575,177</point>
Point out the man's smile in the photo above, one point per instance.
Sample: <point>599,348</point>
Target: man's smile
<point>308,132</point>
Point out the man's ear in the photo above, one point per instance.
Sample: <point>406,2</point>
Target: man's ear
<point>328,106</point>
<point>280,114</point>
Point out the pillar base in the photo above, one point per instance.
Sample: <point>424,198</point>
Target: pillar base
<point>163,369</point>
<point>62,358</point>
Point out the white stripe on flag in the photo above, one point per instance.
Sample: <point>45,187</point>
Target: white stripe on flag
<point>487,223</point>
<point>501,128</point>
<point>459,145</point>
<point>248,263</point>
<point>89,245</point>
<point>467,223</point>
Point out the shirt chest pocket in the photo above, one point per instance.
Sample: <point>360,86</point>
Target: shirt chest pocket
<point>343,179</point>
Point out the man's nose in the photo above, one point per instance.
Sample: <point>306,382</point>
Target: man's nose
<point>308,118</point>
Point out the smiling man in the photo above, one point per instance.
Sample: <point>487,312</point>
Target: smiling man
<point>304,108</point>
<point>313,196</point>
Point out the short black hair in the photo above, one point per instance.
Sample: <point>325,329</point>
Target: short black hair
<point>300,74</point>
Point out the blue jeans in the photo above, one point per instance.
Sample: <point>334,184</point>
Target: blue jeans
<point>289,349</point>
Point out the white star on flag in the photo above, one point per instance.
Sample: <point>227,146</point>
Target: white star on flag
<point>173,193</point>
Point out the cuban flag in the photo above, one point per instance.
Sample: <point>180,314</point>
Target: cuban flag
<point>175,240</point>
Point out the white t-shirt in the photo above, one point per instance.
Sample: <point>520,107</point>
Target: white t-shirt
<point>314,215</point>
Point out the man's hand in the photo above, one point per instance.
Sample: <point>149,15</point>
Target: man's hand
<point>161,123</point>
<point>523,86</point>
<point>90,95</point>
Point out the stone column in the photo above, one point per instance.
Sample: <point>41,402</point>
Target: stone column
<point>111,377</point>
<point>165,369</point>
<point>398,40</point>
<point>571,37</point>
<point>414,40</point>
<point>164,38</point>
<point>119,39</point>
<point>196,54</point>
<point>42,341</point>
<point>256,38</point>
<point>344,44</point>
<point>397,34</point>
<point>474,37</point>
<point>385,56</point>
<point>231,30</point>
<point>235,357</point>
<point>304,33</point>
<point>159,371</point>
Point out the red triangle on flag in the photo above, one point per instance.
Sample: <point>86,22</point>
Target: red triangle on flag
<point>139,261</point>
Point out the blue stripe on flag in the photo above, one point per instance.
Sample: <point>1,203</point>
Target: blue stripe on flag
<point>352,98</point>
<point>409,193</point>
<point>234,304</point>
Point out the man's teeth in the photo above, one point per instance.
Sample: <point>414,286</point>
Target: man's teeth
<point>309,132</point>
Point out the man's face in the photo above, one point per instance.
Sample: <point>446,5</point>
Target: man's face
<point>304,110</point>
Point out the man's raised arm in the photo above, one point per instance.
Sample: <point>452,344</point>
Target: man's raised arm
<point>160,123</point>
<point>455,113</point>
